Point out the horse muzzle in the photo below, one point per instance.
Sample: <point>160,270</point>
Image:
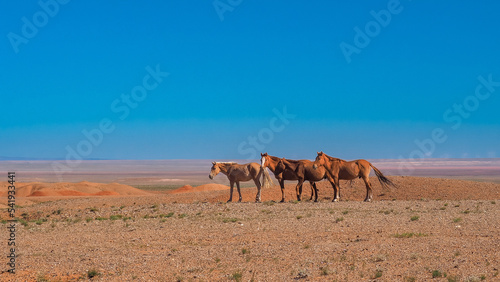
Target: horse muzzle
<point>315,166</point>
<point>210,176</point>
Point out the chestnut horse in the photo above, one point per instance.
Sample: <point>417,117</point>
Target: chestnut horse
<point>241,172</point>
<point>303,170</point>
<point>271,162</point>
<point>340,169</point>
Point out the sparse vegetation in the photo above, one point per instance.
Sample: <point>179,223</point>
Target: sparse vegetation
<point>415,218</point>
<point>387,211</point>
<point>436,274</point>
<point>182,215</point>
<point>40,221</point>
<point>379,258</point>
<point>170,214</point>
<point>92,273</point>
<point>458,219</point>
<point>42,278</point>
<point>236,276</point>
<point>245,251</point>
<point>23,222</point>
<point>232,219</point>
<point>339,219</point>
<point>299,216</point>
<point>410,235</point>
<point>324,271</point>
<point>378,274</point>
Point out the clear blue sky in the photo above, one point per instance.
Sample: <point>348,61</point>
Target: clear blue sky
<point>230,66</point>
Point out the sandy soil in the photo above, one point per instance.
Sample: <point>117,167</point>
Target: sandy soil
<point>425,226</point>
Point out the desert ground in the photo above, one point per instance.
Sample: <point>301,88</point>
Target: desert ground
<point>140,229</point>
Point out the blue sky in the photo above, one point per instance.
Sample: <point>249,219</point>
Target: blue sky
<point>232,65</point>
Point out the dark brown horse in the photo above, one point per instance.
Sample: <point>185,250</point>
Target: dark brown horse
<point>340,169</point>
<point>244,172</point>
<point>303,170</point>
<point>271,162</point>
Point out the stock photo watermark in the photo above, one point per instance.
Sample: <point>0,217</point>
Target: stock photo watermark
<point>223,6</point>
<point>455,115</point>
<point>122,107</point>
<point>11,227</point>
<point>255,144</point>
<point>31,26</point>
<point>363,37</point>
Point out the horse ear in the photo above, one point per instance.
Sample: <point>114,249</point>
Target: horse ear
<point>213,163</point>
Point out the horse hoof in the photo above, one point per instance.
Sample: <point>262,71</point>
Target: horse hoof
<point>316,201</point>
<point>229,201</point>
<point>335,200</point>
<point>282,201</point>
<point>368,200</point>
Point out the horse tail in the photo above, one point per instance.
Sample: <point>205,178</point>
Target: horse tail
<point>384,181</point>
<point>267,182</point>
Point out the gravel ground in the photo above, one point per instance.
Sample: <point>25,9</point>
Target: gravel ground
<point>428,232</point>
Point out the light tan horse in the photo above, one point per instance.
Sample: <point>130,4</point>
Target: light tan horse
<point>340,169</point>
<point>241,172</point>
<point>271,162</point>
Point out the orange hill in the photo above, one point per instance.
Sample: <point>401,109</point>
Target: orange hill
<point>84,188</point>
<point>201,188</point>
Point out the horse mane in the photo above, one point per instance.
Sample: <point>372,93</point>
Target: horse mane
<point>335,159</point>
<point>278,159</point>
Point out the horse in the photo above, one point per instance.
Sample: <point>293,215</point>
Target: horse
<point>241,172</point>
<point>340,169</point>
<point>271,163</point>
<point>303,170</point>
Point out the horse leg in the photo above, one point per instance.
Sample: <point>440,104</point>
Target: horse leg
<point>231,185</point>
<point>369,191</point>
<point>282,185</point>
<point>257,198</point>
<point>336,189</point>
<point>298,189</point>
<point>315,191</point>
<point>239,191</point>
<point>312,190</point>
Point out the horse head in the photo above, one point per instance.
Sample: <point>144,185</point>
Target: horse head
<point>320,160</point>
<point>264,162</point>
<point>214,171</point>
